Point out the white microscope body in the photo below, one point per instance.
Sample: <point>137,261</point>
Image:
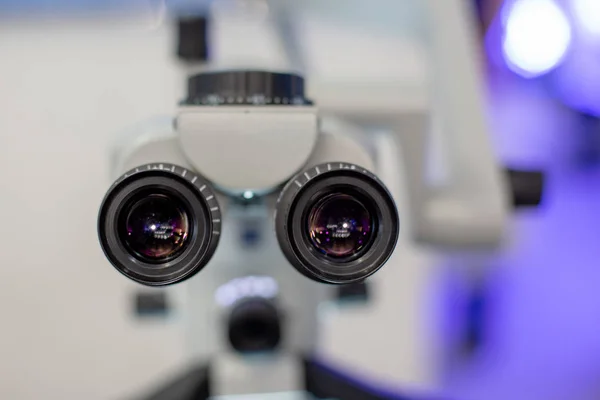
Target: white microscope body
<point>248,144</point>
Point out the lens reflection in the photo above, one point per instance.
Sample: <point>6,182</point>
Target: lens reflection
<point>156,228</point>
<point>340,225</point>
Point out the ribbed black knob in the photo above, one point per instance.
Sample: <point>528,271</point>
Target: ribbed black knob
<point>246,88</point>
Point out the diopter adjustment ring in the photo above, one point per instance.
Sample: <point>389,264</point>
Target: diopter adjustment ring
<point>205,222</point>
<point>303,191</point>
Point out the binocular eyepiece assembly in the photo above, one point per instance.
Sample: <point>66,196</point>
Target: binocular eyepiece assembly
<point>335,222</point>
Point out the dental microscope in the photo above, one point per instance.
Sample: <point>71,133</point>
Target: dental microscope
<point>261,207</point>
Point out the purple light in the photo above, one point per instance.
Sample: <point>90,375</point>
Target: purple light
<point>578,84</point>
<point>536,36</point>
<point>587,13</point>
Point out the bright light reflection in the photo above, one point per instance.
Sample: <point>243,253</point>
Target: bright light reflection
<point>248,286</point>
<point>537,36</point>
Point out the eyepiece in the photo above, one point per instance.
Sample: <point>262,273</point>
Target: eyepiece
<point>336,223</point>
<point>159,224</point>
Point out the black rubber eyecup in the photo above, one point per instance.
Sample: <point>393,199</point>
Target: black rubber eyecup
<point>304,191</point>
<point>189,190</point>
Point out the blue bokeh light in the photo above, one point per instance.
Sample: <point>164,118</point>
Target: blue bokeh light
<point>537,36</point>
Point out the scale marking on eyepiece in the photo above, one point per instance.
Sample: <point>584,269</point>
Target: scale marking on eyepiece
<point>137,170</point>
<point>173,168</point>
<point>160,166</point>
<point>307,175</point>
<point>214,209</point>
<point>184,172</point>
<point>194,179</point>
<point>202,188</point>
<point>216,233</point>
<point>317,169</point>
<point>328,167</point>
<point>210,198</point>
<point>216,220</point>
<point>149,167</point>
<point>298,183</point>
<point>353,167</point>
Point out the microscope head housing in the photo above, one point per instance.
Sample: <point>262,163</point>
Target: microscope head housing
<point>239,136</point>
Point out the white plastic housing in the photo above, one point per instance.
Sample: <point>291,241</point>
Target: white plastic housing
<point>471,208</point>
<point>247,148</point>
<point>299,297</point>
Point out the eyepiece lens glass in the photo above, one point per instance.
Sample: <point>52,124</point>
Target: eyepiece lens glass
<point>155,228</point>
<point>340,226</point>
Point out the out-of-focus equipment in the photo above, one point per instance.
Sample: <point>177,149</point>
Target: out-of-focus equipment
<point>262,197</point>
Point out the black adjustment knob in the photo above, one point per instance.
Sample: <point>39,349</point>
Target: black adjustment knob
<point>353,292</point>
<point>527,187</point>
<point>192,39</point>
<point>254,326</point>
<point>246,88</point>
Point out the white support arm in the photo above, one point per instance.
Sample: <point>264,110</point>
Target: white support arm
<point>472,209</point>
